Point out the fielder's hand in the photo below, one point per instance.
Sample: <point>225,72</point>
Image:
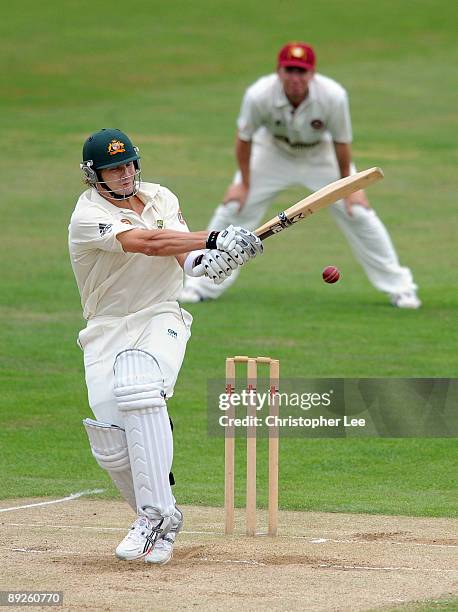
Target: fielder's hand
<point>238,192</point>
<point>357,198</point>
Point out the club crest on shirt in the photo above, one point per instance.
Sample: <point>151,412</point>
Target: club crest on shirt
<point>115,146</point>
<point>160,224</point>
<point>181,218</point>
<point>126,221</point>
<point>317,124</point>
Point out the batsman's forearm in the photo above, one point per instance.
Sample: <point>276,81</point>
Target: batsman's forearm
<point>162,243</point>
<point>243,154</point>
<point>170,242</point>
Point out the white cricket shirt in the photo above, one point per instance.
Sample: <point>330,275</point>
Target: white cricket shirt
<point>110,281</point>
<point>323,115</point>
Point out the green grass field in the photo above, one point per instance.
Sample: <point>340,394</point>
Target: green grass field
<point>172,76</point>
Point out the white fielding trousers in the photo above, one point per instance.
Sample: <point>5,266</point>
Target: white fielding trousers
<point>162,330</point>
<point>274,170</point>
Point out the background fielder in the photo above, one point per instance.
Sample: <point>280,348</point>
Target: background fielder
<point>128,245</point>
<point>294,128</point>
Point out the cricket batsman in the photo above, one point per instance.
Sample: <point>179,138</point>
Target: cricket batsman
<point>129,245</point>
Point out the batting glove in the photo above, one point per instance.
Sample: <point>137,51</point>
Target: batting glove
<point>248,241</point>
<point>223,241</point>
<point>215,264</point>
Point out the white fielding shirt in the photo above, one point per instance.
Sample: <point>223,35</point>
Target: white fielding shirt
<point>110,281</point>
<point>323,115</point>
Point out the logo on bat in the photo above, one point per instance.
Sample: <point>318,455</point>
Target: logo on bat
<point>286,221</point>
<point>283,219</point>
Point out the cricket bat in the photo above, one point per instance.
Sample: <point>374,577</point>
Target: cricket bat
<point>319,199</point>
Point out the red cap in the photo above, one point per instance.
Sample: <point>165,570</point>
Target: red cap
<point>297,54</point>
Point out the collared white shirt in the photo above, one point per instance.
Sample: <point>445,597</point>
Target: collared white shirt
<point>110,281</point>
<point>324,114</point>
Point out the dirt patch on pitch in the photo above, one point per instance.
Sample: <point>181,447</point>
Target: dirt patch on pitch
<point>319,561</point>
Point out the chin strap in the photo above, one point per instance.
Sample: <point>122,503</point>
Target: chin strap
<point>117,196</point>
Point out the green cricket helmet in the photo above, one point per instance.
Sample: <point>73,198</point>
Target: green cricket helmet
<point>109,148</point>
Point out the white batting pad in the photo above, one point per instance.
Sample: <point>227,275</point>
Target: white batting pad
<point>109,447</point>
<point>139,391</point>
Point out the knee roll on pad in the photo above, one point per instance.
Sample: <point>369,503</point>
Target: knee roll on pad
<point>109,448</point>
<point>108,445</point>
<point>138,381</point>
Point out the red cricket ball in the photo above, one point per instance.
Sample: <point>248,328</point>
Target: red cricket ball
<point>331,274</point>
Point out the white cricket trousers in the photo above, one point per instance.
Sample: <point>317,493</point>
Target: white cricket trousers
<point>162,330</point>
<point>272,171</point>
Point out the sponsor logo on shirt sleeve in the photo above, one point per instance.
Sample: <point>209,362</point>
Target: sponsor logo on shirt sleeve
<point>104,228</point>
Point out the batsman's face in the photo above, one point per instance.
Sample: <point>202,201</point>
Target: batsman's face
<point>295,82</point>
<point>121,179</point>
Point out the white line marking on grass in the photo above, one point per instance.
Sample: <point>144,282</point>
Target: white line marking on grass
<point>52,552</point>
<point>245,561</point>
<point>217,534</point>
<point>319,541</point>
<point>55,501</point>
<point>324,540</point>
<point>79,527</point>
<point>252,562</point>
<point>26,550</point>
<point>38,525</point>
<point>385,569</point>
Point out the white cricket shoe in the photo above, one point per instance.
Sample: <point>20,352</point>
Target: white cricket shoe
<point>408,299</point>
<point>163,549</point>
<point>142,537</point>
<point>188,295</point>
